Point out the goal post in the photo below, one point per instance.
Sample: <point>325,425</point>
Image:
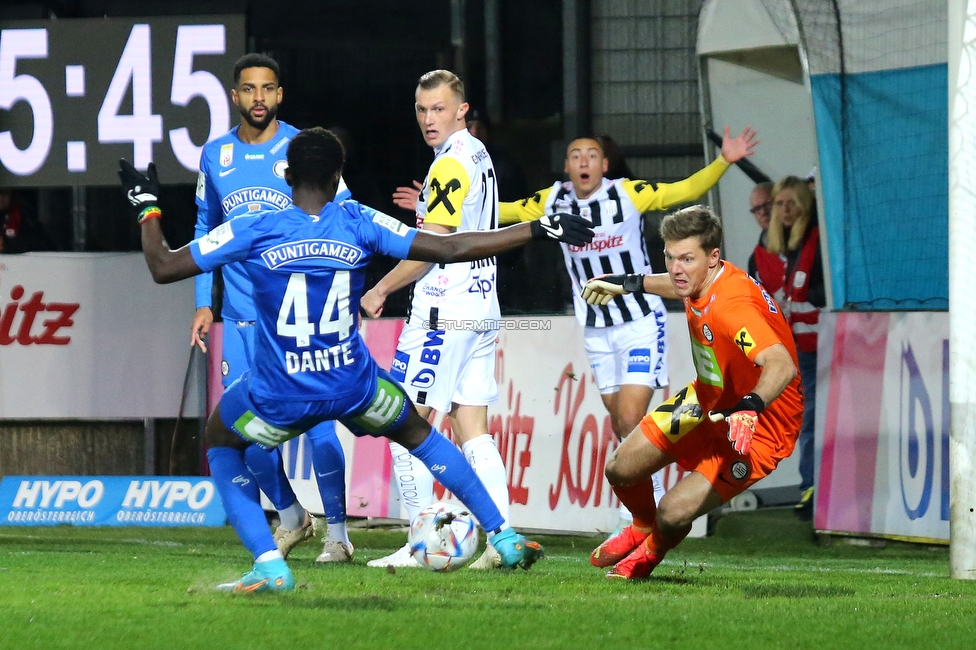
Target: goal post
<point>962,299</point>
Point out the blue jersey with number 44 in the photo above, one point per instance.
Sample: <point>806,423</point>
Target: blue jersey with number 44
<point>308,274</point>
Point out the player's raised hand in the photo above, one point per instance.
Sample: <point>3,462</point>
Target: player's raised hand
<point>568,228</point>
<point>599,291</point>
<point>742,419</point>
<point>142,190</point>
<point>406,197</point>
<point>734,149</point>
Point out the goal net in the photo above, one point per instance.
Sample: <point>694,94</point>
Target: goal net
<point>879,82</point>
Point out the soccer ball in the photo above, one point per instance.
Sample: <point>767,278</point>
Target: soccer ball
<point>443,537</point>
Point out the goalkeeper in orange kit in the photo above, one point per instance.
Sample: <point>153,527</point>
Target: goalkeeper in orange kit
<point>729,427</point>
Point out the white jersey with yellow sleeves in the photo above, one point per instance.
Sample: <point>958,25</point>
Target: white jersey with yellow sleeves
<point>459,192</point>
<point>615,210</point>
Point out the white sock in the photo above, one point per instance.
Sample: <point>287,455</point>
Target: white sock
<point>414,481</point>
<point>658,481</point>
<point>339,533</point>
<point>292,517</point>
<point>267,556</point>
<point>483,456</point>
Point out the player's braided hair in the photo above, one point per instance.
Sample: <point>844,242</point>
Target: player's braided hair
<point>694,221</point>
<point>255,60</point>
<point>315,156</point>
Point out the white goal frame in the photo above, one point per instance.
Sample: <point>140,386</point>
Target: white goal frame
<point>962,298</point>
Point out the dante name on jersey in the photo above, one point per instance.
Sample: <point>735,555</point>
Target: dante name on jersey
<point>319,360</point>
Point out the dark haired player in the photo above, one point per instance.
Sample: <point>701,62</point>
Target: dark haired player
<point>307,265</point>
<point>625,339</point>
<point>243,171</point>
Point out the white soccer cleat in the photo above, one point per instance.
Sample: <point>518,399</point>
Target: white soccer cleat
<point>402,558</point>
<point>490,559</point>
<point>286,539</point>
<point>333,551</point>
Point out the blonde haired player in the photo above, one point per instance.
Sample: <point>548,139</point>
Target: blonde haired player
<point>729,427</point>
<point>442,368</point>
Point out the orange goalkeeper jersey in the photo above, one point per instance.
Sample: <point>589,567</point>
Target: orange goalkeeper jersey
<point>730,324</point>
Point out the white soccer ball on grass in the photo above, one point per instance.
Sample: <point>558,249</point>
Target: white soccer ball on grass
<point>443,537</point>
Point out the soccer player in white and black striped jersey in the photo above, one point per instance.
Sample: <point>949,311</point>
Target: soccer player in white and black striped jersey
<point>626,340</point>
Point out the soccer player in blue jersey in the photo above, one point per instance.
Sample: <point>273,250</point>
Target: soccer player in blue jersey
<point>244,172</point>
<point>307,266</point>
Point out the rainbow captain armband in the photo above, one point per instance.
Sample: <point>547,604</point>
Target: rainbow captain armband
<point>151,212</point>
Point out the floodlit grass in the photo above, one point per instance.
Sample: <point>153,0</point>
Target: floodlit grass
<point>759,582</point>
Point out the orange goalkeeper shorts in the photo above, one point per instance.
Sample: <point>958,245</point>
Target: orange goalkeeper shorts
<point>703,446</point>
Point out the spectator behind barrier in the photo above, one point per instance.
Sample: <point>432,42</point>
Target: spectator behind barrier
<point>761,207</point>
<point>790,267</point>
<point>21,232</point>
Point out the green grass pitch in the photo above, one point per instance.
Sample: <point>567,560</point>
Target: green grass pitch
<point>760,582</point>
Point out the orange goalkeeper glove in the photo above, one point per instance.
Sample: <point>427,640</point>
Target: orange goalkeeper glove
<point>742,419</point>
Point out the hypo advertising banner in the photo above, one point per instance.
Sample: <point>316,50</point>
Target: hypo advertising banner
<point>109,501</point>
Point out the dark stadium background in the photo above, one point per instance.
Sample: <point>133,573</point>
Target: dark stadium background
<point>354,64</point>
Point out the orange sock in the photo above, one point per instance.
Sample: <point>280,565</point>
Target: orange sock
<point>658,543</point>
<point>639,499</point>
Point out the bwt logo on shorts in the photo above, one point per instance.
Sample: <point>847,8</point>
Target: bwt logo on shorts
<point>639,360</point>
<point>399,366</point>
<point>431,355</point>
<point>423,379</point>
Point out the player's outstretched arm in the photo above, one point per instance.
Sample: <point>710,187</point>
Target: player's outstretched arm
<point>648,196</point>
<point>602,289</point>
<point>401,275</point>
<point>737,148</point>
<point>468,246</point>
<point>142,191</point>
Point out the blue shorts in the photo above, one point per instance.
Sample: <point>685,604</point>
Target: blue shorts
<point>238,342</point>
<point>380,407</point>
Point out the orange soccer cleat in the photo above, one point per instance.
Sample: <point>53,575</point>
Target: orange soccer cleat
<point>617,547</point>
<point>636,566</point>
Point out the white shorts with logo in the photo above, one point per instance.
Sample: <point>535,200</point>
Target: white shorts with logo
<point>629,353</point>
<point>439,368</point>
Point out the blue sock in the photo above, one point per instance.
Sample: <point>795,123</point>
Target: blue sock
<point>239,493</point>
<point>330,470</point>
<point>454,473</point>
<point>269,470</point>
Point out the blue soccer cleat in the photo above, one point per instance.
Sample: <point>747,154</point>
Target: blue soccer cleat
<point>273,575</point>
<point>515,550</point>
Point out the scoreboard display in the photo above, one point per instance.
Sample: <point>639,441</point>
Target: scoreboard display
<point>77,95</point>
